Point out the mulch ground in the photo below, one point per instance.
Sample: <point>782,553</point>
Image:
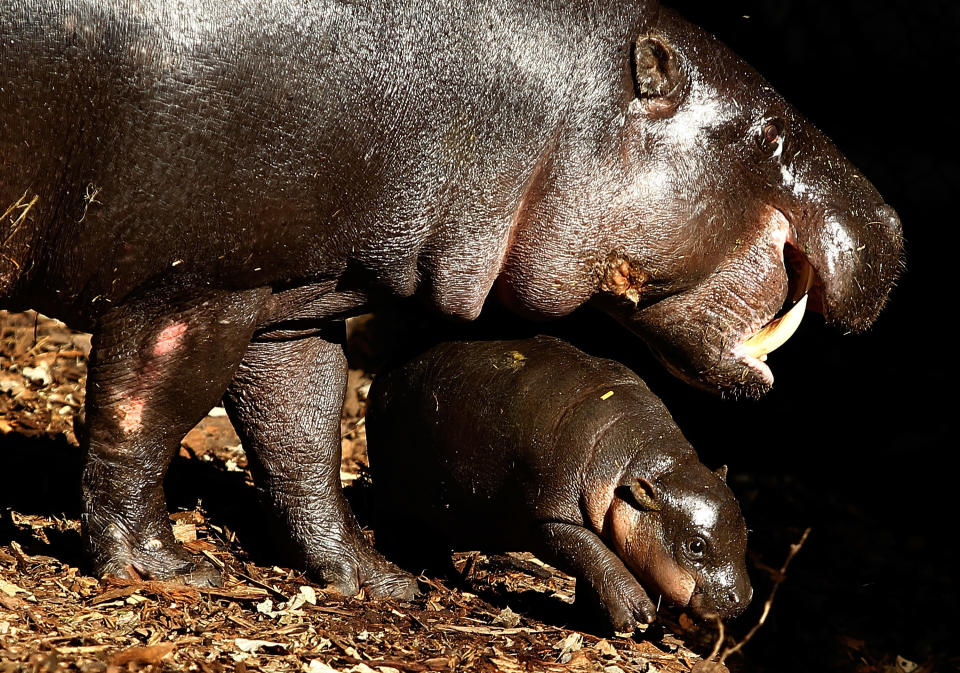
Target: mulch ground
<point>266,617</point>
<point>506,613</point>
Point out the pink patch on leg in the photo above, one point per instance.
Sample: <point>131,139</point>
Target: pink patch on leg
<point>169,338</point>
<point>131,415</point>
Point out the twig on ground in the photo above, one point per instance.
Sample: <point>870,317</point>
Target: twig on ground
<point>720,636</point>
<point>353,428</point>
<point>781,575</point>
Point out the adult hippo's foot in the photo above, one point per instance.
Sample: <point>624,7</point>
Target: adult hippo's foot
<point>285,404</point>
<point>150,557</point>
<point>345,562</point>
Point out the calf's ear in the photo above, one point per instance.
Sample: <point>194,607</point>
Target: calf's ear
<point>644,494</point>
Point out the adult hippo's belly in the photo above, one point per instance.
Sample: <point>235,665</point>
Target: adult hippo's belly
<point>211,188</point>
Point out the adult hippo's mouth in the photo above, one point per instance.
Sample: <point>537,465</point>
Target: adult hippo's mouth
<point>717,334</point>
<point>827,275</point>
<point>802,293</point>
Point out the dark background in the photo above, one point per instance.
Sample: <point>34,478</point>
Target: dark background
<point>855,438</point>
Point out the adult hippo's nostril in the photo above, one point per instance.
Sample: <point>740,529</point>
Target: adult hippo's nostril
<point>888,216</point>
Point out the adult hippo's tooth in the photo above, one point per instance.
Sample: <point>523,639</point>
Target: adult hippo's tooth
<point>776,332</point>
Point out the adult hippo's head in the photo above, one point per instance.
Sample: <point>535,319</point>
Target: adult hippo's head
<point>715,208</point>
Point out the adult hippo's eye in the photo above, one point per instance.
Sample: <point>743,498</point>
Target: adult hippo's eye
<point>771,134</point>
<point>695,548</point>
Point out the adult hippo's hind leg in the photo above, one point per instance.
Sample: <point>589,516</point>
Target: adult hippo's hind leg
<point>285,403</point>
<point>158,365</point>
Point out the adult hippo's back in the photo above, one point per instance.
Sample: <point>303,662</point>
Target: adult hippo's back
<point>212,187</point>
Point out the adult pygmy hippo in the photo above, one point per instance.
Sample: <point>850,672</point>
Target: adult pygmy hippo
<point>535,445</point>
<point>212,187</point>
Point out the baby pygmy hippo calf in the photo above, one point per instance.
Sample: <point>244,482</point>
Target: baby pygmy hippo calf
<point>535,445</point>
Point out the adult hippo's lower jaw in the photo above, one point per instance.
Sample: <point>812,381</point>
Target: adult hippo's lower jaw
<point>717,334</point>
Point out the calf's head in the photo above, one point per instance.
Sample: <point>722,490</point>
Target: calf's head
<point>682,534</point>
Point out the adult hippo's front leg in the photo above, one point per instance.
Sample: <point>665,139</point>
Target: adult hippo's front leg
<point>285,403</point>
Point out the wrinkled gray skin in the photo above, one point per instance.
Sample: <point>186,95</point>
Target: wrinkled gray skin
<point>212,187</point>
<point>534,445</point>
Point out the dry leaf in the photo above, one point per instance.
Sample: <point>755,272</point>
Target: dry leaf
<point>10,588</point>
<point>605,649</point>
<point>580,661</point>
<point>507,617</point>
<point>11,603</point>
<point>905,665</point>
<point>309,594</point>
<point>506,665</point>
<point>568,646</point>
<point>360,668</point>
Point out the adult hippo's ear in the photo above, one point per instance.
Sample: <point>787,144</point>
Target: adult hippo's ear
<point>643,494</point>
<point>656,68</point>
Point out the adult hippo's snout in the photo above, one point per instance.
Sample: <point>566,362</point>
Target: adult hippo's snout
<point>833,251</point>
<point>843,229</point>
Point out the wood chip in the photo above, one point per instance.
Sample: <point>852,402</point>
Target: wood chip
<point>150,654</point>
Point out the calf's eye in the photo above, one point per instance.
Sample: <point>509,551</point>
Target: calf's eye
<point>695,548</point>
